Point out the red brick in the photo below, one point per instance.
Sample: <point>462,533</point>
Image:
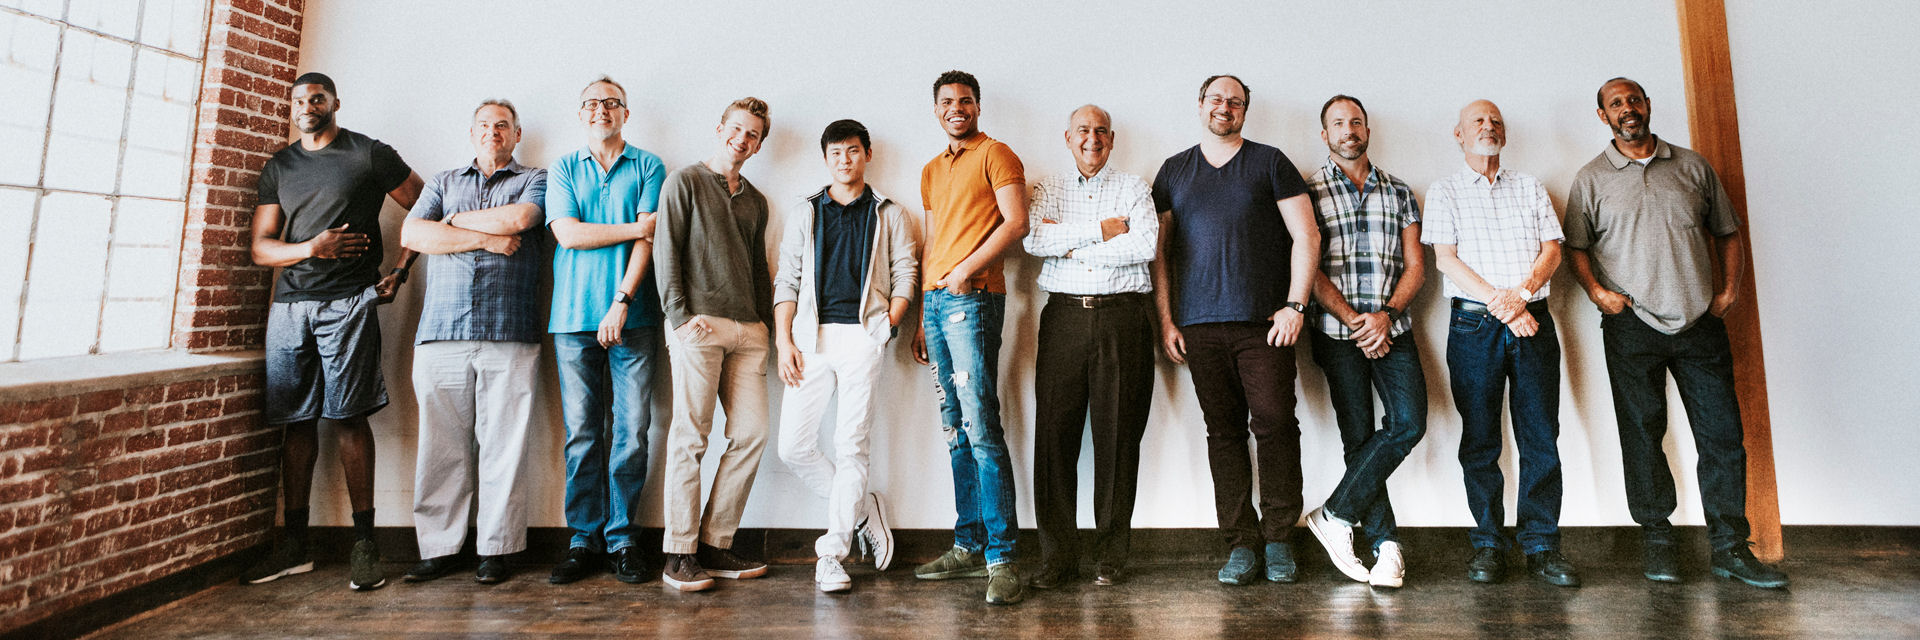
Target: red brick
<point>123,420</point>
<point>15,438</point>
<point>48,409</point>
<point>41,460</point>
<point>203,409</point>
<point>145,441</point>
<point>147,395</point>
<point>101,449</point>
<point>18,491</point>
<point>165,414</point>
<point>189,389</point>
<point>9,467</point>
<point>190,433</point>
<point>102,400</point>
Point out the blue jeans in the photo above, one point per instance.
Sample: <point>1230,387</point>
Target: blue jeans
<point>606,461</point>
<point>963,342</point>
<point>1485,361</point>
<point>1639,358</point>
<point>1371,455</point>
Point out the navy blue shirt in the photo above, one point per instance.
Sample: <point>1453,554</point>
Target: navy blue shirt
<point>843,242</point>
<point>1229,247</point>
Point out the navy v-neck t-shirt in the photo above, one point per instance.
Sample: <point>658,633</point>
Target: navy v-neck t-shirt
<point>1228,246</point>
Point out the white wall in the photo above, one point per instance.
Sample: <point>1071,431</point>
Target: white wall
<point>410,73</point>
<point>1828,132</point>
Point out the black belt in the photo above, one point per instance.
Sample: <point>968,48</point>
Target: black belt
<point>1470,306</point>
<point>1095,302</point>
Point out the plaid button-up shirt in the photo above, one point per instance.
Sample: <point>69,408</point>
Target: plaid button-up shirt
<point>480,295</point>
<point>1361,229</point>
<point>1065,217</point>
<point>1496,226</point>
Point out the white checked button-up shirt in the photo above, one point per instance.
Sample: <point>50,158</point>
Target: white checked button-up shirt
<point>1065,217</point>
<point>1496,227</point>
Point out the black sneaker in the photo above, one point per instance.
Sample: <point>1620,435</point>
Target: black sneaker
<point>1661,563</point>
<point>1106,575</point>
<point>1554,568</point>
<point>1053,577</point>
<point>363,573</point>
<point>579,564</point>
<point>722,563</point>
<point>683,572</point>
<point>1488,565</point>
<point>1738,563</point>
<point>431,568</point>
<point>493,570</point>
<point>626,566</point>
<point>287,557</point>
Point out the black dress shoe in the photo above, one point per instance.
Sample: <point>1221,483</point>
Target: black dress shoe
<point>1738,563</point>
<point>625,565</point>
<point>579,564</point>
<point>1053,578</point>
<point>432,568</point>
<point>1554,568</point>
<point>1488,565</point>
<point>1661,563</point>
<point>1107,575</point>
<point>493,570</point>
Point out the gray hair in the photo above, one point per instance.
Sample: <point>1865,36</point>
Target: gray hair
<point>503,103</point>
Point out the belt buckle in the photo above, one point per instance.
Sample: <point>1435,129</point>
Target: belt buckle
<point>1086,302</point>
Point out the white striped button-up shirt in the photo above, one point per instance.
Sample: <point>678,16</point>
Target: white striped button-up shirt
<point>1496,227</point>
<point>1065,218</point>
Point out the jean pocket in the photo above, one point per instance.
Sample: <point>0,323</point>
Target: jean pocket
<point>1464,322</point>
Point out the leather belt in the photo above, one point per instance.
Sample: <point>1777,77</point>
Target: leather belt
<point>1469,306</point>
<point>1095,302</point>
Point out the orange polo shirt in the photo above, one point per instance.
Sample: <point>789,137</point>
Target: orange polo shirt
<point>956,188</point>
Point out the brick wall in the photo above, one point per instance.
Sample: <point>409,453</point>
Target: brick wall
<point>252,50</point>
<point>109,484</point>
<point>107,489</point>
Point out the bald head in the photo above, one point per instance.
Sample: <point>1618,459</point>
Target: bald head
<point>1090,138</point>
<point>1481,130</point>
<point>1090,111</point>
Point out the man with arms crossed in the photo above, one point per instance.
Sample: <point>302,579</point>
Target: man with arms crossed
<point>1642,222</point>
<point>477,349</point>
<point>1231,284</point>
<point>605,324</point>
<point>1497,241</point>
<point>975,196</point>
<point>1095,231</point>
<point>848,263</point>
<point>318,219</point>
<point>717,293</point>
<point>1362,339</point>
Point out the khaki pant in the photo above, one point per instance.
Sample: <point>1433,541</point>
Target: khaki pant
<point>729,364</point>
<point>476,401</point>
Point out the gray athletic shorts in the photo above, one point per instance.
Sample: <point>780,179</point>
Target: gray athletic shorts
<point>323,359</point>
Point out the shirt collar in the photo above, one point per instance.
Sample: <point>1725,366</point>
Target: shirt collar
<point>630,152</point>
<point>1097,177</point>
<point>1374,174</point>
<point>967,144</point>
<point>513,167</point>
<point>1620,160</point>
<point>1475,177</point>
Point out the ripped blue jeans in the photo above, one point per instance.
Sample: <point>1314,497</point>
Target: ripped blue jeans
<point>963,343</point>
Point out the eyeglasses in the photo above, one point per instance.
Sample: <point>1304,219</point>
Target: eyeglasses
<point>604,103</point>
<point>1216,101</point>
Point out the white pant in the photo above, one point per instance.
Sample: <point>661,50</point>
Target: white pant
<point>472,393</point>
<point>844,360</point>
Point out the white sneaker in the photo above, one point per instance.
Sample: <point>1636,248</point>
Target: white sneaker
<point>830,576</point>
<point>1389,570</point>
<point>873,529</point>
<point>1337,537</point>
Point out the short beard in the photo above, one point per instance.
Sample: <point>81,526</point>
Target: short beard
<point>1635,135</point>
<point>1358,150</point>
<point>1485,148</point>
<point>320,123</point>
<point>1222,130</point>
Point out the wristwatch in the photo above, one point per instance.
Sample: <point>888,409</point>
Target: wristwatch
<point>622,297</point>
<point>1392,313</point>
<point>402,271</point>
<point>1300,307</point>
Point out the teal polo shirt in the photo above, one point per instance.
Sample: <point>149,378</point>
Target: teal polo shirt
<point>584,280</point>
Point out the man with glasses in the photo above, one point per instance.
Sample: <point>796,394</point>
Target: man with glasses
<point>477,348</point>
<point>1231,284</point>
<point>605,323</point>
<point>1496,239</point>
<point>975,195</point>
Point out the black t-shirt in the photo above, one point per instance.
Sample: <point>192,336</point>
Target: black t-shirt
<point>345,183</point>
<point>1230,247</point>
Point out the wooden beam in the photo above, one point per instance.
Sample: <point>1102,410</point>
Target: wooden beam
<point>1712,117</point>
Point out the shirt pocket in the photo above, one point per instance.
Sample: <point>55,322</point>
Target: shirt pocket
<point>1682,208</point>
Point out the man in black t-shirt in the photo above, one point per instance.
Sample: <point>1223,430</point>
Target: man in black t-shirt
<point>1239,247</point>
<point>319,221</point>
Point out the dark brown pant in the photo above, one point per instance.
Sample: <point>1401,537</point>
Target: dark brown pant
<point>1245,384</point>
<point>1100,359</point>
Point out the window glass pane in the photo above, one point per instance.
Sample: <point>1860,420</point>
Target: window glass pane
<point>130,325</point>
<point>48,8</point>
<point>175,25</point>
<point>116,17</point>
<point>159,127</point>
<point>27,49</point>
<point>89,107</point>
<point>149,223</point>
<point>142,272</point>
<point>64,281</point>
<point>16,215</point>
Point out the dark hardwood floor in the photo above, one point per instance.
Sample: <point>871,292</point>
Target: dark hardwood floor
<point>1845,589</point>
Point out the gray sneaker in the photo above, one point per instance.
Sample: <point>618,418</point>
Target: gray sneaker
<point>1004,585</point>
<point>288,557</point>
<point>955,563</point>
<point>365,574</point>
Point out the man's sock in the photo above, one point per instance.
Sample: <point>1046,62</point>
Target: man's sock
<point>363,525</point>
<point>297,525</point>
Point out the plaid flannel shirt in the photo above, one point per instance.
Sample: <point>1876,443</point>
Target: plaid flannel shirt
<point>1362,249</point>
<point>478,295</point>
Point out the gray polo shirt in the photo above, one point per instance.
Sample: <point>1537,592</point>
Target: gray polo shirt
<point>710,252</point>
<point>1647,227</point>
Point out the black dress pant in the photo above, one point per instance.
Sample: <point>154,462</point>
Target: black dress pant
<point>1246,386</point>
<point>1096,354</point>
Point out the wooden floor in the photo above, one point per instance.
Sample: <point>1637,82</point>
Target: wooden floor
<point>1839,593</point>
